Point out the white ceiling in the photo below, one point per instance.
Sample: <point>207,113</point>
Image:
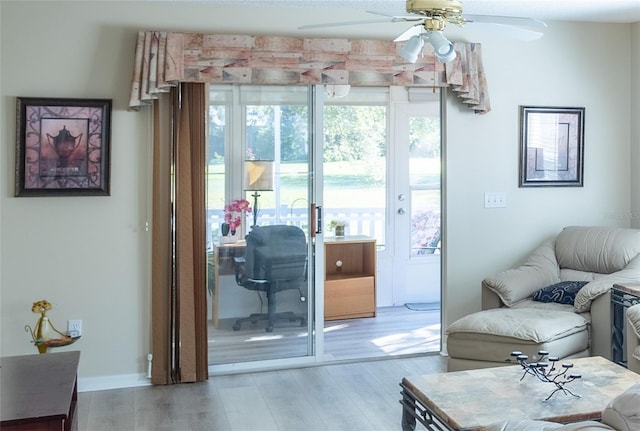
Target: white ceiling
<point>610,11</point>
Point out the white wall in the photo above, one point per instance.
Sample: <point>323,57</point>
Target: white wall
<point>90,256</point>
<point>572,65</point>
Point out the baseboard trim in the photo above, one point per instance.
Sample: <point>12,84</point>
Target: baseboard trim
<point>120,381</point>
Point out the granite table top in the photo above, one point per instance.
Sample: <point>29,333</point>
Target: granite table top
<point>472,400</point>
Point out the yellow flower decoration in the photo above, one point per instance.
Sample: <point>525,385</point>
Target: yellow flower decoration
<point>41,306</point>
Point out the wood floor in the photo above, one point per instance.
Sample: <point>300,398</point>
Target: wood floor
<point>394,331</point>
<point>340,397</point>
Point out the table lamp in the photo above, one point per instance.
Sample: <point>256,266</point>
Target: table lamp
<point>258,176</point>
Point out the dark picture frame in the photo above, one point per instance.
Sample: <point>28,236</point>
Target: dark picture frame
<point>62,147</point>
<point>551,146</point>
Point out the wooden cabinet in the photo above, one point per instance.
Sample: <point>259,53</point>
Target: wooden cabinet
<point>350,277</point>
<point>39,392</point>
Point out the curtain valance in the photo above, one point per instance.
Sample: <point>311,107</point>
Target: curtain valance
<point>164,59</point>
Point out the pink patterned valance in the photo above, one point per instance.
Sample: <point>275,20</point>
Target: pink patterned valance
<point>163,59</point>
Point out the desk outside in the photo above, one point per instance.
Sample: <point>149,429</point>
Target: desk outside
<point>471,400</point>
<point>39,392</point>
<point>221,263</point>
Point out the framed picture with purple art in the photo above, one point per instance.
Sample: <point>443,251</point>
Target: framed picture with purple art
<point>551,147</point>
<point>62,147</point>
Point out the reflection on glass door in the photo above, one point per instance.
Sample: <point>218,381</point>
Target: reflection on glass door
<point>259,266</point>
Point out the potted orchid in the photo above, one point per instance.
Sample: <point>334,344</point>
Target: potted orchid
<point>233,214</point>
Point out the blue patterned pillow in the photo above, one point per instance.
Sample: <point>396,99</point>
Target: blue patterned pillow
<point>563,293</point>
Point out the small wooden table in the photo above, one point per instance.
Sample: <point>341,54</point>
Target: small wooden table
<point>472,400</point>
<point>39,392</point>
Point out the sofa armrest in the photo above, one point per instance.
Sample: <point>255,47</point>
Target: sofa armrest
<point>632,337</point>
<point>630,274</point>
<point>601,326</point>
<point>490,299</point>
<point>539,270</point>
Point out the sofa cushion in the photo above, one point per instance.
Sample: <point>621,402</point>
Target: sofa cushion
<point>623,412</point>
<point>583,426</point>
<point>531,425</point>
<point>596,249</point>
<point>539,270</point>
<point>492,335</point>
<point>530,324</point>
<point>563,293</point>
<point>522,425</point>
<point>633,316</point>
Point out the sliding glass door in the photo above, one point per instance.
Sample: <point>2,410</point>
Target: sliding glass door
<point>371,159</point>
<point>258,220</point>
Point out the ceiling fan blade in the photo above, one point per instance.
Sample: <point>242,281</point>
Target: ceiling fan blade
<point>509,31</point>
<point>344,23</point>
<point>388,18</point>
<point>514,21</point>
<point>399,18</point>
<point>415,30</point>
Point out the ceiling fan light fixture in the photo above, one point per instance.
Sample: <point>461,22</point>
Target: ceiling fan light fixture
<point>442,47</point>
<point>412,49</point>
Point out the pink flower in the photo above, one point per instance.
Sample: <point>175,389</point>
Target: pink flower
<point>233,213</point>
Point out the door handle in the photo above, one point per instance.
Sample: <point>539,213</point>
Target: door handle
<point>316,219</point>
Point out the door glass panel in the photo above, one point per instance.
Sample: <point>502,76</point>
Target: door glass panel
<point>424,182</point>
<point>259,271</point>
<point>354,163</point>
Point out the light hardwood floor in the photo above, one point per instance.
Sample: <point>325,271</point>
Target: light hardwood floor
<point>394,331</point>
<point>340,397</point>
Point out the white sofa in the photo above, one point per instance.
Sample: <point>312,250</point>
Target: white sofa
<point>600,256</point>
<point>633,338</point>
<point>621,414</point>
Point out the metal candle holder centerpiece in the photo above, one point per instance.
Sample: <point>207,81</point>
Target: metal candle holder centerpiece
<point>545,370</point>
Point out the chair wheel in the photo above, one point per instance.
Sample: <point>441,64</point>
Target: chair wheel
<point>236,326</point>
<point>269,328</point>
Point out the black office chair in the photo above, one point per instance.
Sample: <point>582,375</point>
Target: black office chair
<point>275,260</point>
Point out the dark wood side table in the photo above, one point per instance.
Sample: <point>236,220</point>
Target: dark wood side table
<point>622,297</point>
<point>39,392</point>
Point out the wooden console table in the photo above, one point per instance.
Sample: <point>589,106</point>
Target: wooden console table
<point>39,392</point>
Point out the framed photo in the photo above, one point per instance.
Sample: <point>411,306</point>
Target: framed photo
<point>551,146</point>
<point>62,147</point>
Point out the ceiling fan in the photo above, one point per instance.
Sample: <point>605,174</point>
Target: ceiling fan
<point>431,18</point>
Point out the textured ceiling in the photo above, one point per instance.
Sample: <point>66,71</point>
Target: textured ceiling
<point>611,11</point>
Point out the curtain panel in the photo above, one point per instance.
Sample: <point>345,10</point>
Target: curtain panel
<point>179,302</point>
<point>165,59</point>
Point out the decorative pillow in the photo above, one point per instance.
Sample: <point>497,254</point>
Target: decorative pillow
<point>563,293</point>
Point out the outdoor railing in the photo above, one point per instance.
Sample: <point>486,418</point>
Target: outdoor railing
<point>425,225</point>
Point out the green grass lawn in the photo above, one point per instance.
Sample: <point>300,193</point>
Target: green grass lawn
<point>346,184</point>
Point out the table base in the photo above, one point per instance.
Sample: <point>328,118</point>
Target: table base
<point>413,410</point>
